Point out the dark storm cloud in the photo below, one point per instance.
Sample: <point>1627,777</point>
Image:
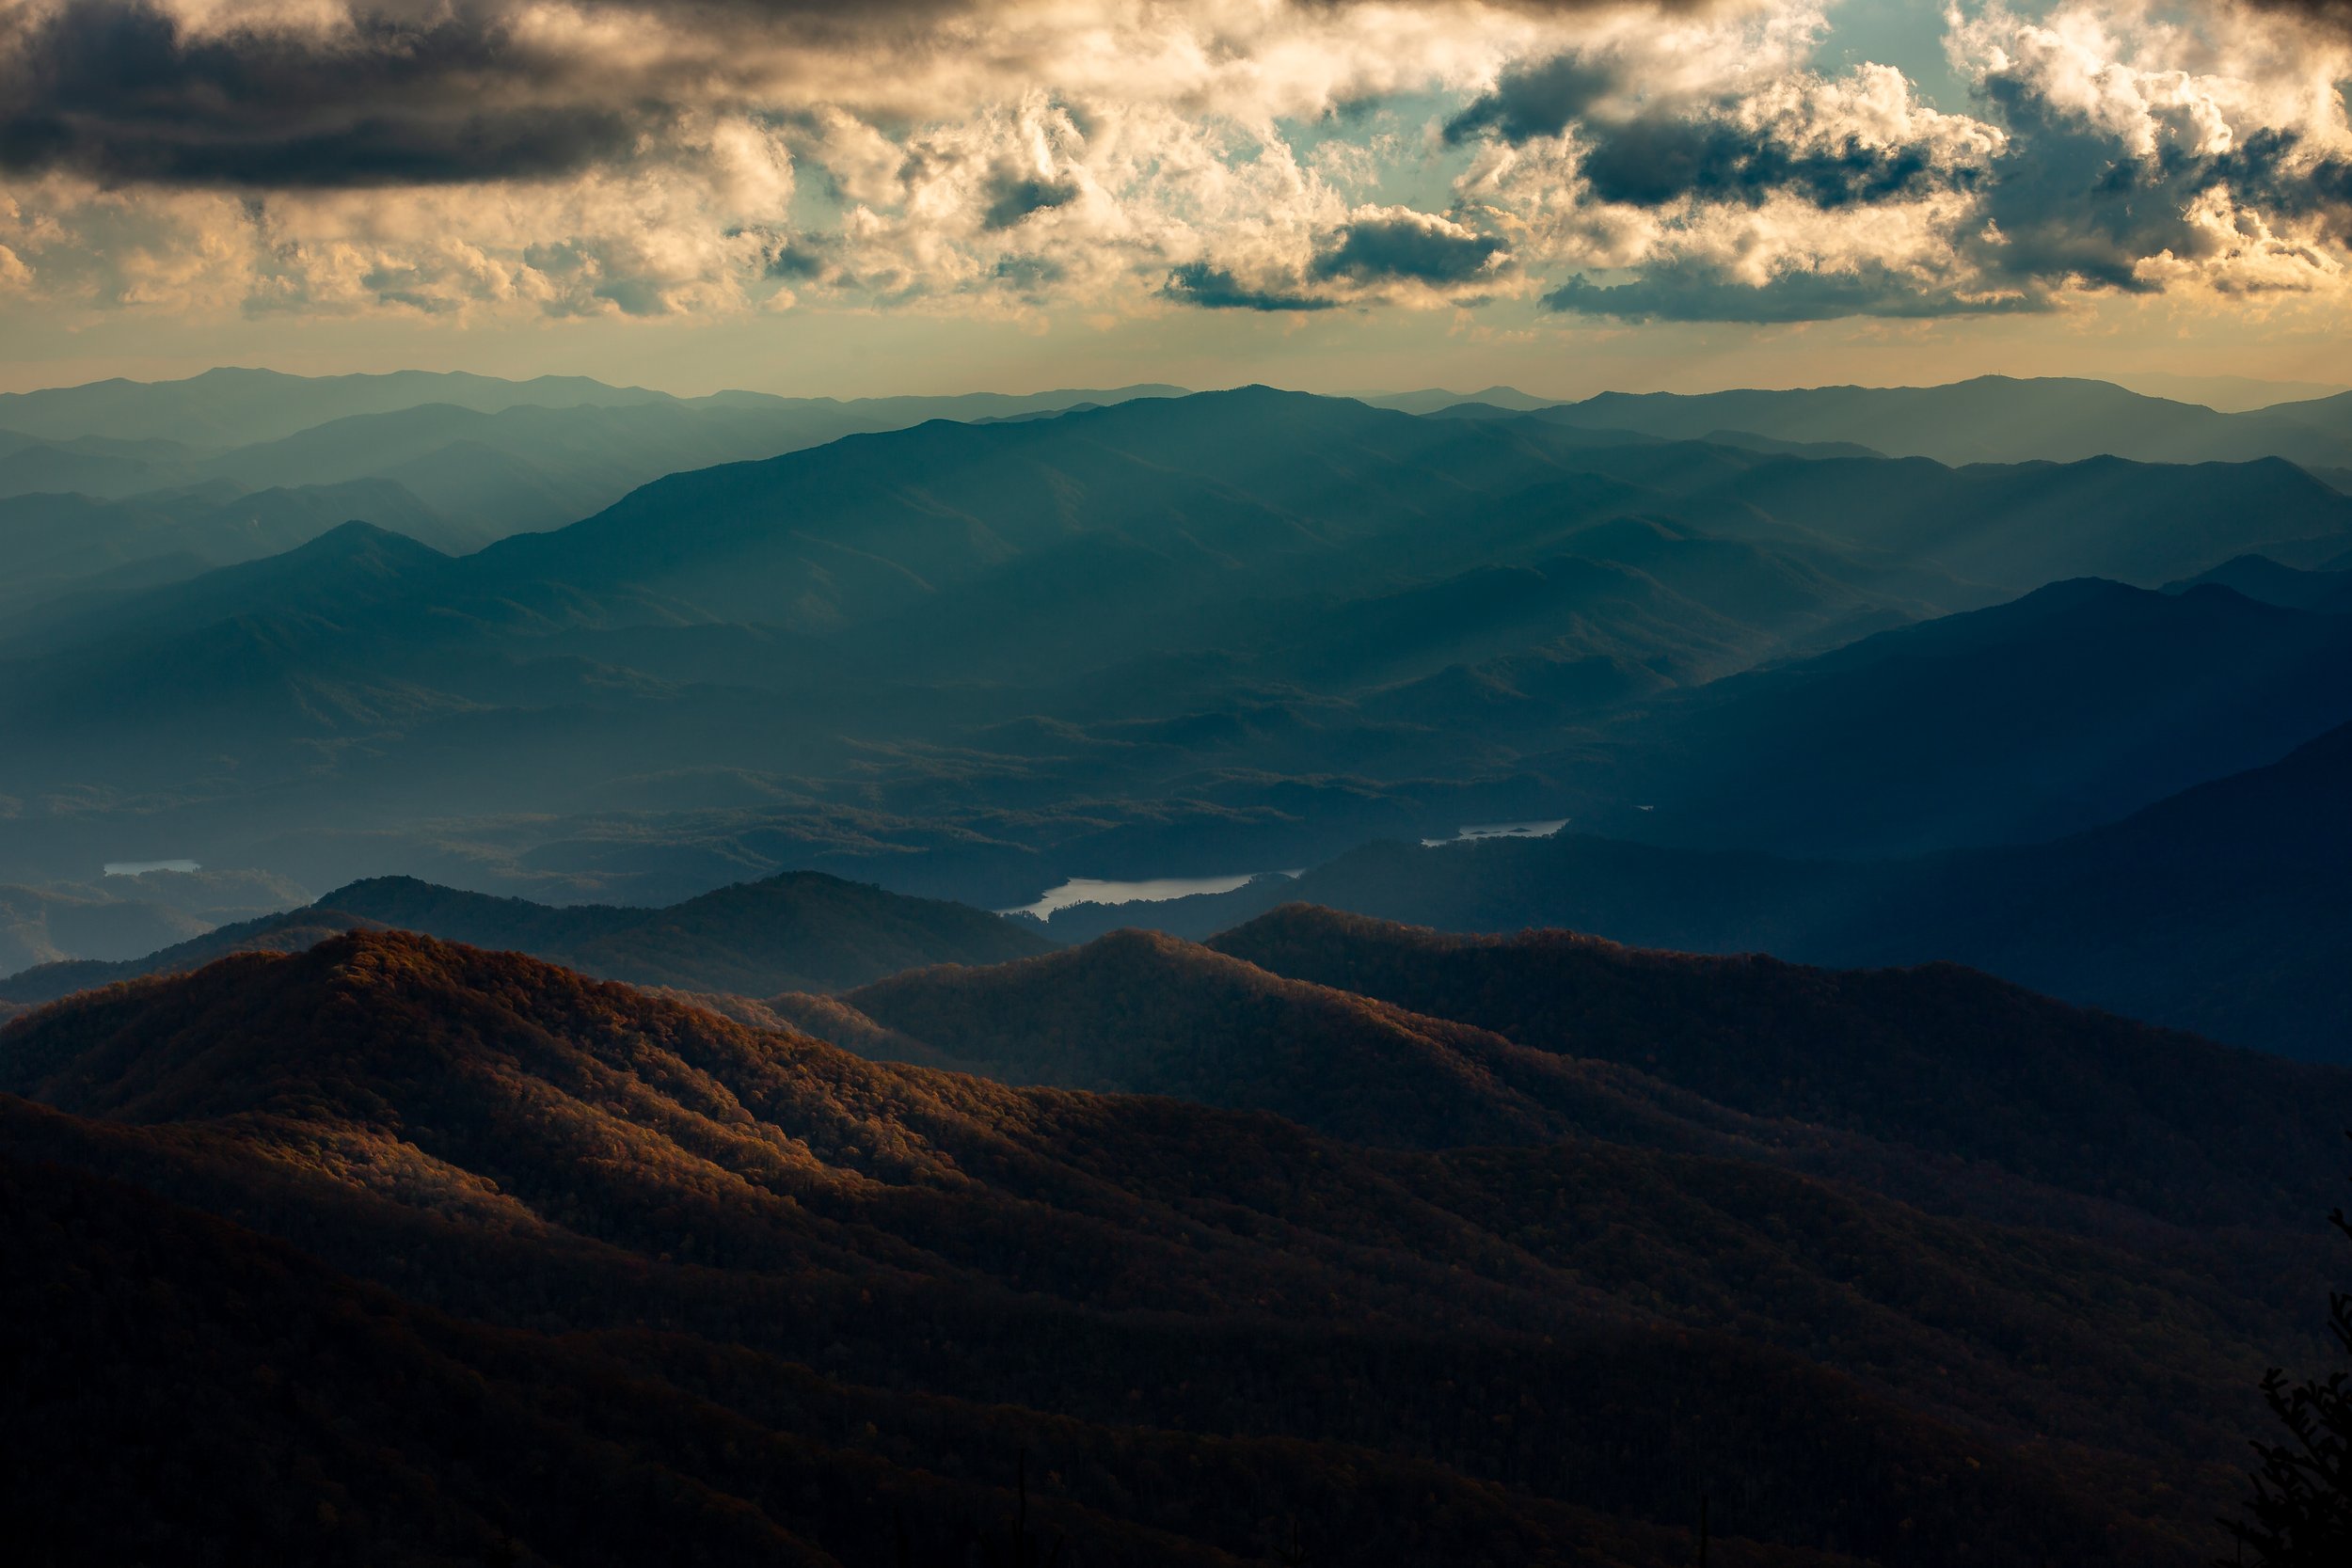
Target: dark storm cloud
<point>115,91</point>
<point>1541,100</point>
<point>1010,199</point>
<point>1216,289</point>
<point>1655,161</point>
<point>413,93</point>
<point>1375,250</point>
<point>1693,291</point>
<point>1656,158</point>
<point>798,263</point>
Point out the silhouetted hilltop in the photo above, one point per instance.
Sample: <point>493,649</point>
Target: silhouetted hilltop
<point>1944,1058</point>
<point>802,930</point>
<point>2259,577</point>
<point>1137,1012</point>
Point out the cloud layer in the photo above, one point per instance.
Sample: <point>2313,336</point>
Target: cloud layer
<point>1685,162</point>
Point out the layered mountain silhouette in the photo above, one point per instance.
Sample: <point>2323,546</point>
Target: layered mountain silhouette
<point>451,460</point>
<point>803,931</point>
<point>2218,909</point>
<point>457,1185</point>
<point>1476,1189</point>
<point>2068,708</point>
<point>1992,418</point>
<point>2330,592</point>
<point>1378,1032</point>
<point>1173,636</point>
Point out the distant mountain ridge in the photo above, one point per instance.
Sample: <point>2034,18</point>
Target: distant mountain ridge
<point>2219,910</point>
<point>1190,636</point>
<point>452,460</point>
<point>801,932</point>
<point>235,407</point>
<point>2070,707</point>
<point>1993,418</point>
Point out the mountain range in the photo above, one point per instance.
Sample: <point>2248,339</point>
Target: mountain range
<point>2217,909</point>
<point>1159,978</point>
<point>116,485</point>
<point>1174,636</point>
<point>1803,1247</point>
<point>1992,418</point>
<point>801,932</point>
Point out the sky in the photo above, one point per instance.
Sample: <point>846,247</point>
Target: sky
<point>934,196</point>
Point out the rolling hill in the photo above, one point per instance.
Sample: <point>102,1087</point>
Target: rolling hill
<point>794,932</point>
<point>877,1286</point>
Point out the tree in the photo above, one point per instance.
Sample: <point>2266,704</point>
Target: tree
<point>2301,1506</point>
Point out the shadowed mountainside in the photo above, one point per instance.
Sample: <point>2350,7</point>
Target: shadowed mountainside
<point>2218,909</point>
<point>540,1155</point>
<point>803,930</point>
<point>2067,708</point>
<point>1175,636</point>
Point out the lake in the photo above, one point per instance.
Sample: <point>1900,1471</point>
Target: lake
<point>1499,830</point>
<point>1085,889</point>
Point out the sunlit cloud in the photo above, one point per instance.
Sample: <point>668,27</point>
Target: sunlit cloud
<point>1690,162</point>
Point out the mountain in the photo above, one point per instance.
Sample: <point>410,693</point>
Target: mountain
<point>2022,526</point>
<point>881,1293</point>
<point>1435,400</point>
<point>801,932</point>
<point>92,465</point>
<point>342,571</point>
<point>1139,1013</point>
<point>451,460</point>
<point>1939,1058</point>
<point>41,925</point>
<point>72,553</point>
<point>2229,394</point>
<point>229,407</point>
<point>1993,418</point>
<point>2329,593</point>
<point>2215,910</point>
<point>2068,708</point>
<point>1198,635</point>
<point>1379,1033</point>
<point>932,517</point>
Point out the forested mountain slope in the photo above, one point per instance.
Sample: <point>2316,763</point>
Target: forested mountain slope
<point>494,1139</point>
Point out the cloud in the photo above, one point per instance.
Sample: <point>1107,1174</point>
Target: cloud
<point>1687,291</point>
<point>2138,176</point>
<point>1015,197</point>
<point>1646,161</point>
<point>1216,289</point>
<point>129,91</point>
<point>1535,100</point>
<point>2331,15</point>
<point>1398,244</point>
